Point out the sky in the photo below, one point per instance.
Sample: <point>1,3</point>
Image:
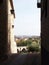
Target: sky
<point>27,18</point>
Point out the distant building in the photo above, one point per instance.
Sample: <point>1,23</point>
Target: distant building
<point>25,39</point>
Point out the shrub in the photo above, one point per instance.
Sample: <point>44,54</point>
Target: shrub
<point>33,48</point>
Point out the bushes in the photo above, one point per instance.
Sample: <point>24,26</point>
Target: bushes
<point>32,45</point>
<point>24,43</point>
<point>33,48</point>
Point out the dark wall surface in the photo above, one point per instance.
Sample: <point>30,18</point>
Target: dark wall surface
<point>45,32</point>
<point>3,28</point>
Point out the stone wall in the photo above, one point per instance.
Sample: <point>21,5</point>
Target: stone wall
<point>11,29</point>
<point>3,28</point>
<point>45,24</point>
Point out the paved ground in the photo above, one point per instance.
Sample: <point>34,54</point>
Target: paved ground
<point>23,59</point>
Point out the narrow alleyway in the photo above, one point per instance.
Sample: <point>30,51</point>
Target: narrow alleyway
<point>23,59</point>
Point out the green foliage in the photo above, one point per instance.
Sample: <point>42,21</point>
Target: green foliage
<point>21,43</point>
<point>33,43</point>
<point>24,43</point>
<point>33,48</point>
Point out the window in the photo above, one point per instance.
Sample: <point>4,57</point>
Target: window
<point>12,11</point>
<point>12,26</point>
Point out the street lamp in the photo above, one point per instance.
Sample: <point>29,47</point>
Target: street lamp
<point>39,3</point>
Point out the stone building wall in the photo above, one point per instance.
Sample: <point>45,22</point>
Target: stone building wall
<point>11,17</point>
<point>45,24</point>
<point>3,28</point>
<point>6,30</point>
